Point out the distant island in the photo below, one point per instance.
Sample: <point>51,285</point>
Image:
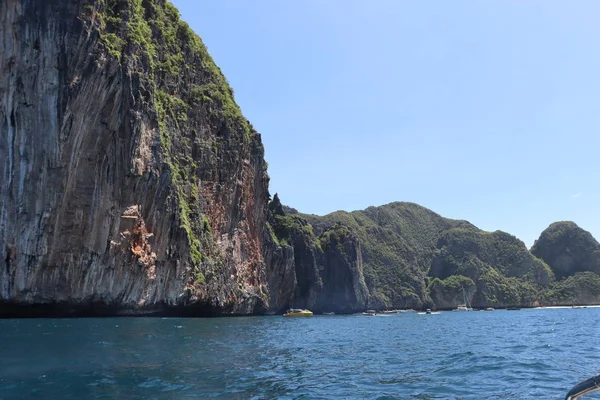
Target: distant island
<point>133,185</point>
<point>410,257</point>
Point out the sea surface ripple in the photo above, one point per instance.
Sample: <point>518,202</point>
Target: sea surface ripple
<point>526,354</point>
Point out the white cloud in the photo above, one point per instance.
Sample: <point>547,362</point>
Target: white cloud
<point>576,195</point>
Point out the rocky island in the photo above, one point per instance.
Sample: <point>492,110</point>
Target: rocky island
<point>131,184</point>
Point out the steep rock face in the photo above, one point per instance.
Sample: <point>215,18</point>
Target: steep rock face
<point>398,242</point>
<point>448,293</point>
<point>129,179</point>
<point>130,182</point>
<point>568,249</point>
<point>344,288</point>
<point>306,260</point>
<point>581,288</point>
<point>281,273</point>
<point>504,271</point>
<point>327,270</point>
<point>410,252</point>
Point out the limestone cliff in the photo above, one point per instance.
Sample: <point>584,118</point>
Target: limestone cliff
<point>581,288</point>
<point>574,256</point>
<point>448,293</point>
<point>130,183</point>
<point>344,287</point>
<point>129,180</point>
<point>325,272</point>
<point>414,258</point>
<point>568,249</point>
<point>504,271</point>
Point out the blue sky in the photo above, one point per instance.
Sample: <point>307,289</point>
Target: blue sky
<point>484,111</point>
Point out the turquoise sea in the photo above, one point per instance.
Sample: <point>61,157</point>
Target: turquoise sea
<point>526,354</point>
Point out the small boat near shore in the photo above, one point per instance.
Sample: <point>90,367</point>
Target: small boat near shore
<point>466,306</point>
<point>371,313</point>
<point>429,312</point>
<point>298,312</point>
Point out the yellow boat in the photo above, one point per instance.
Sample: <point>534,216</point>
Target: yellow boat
<point>298,312</point>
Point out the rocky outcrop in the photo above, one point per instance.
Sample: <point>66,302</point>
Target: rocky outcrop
<point>281,272</point>
<point>327,269</point>
<point>579,289</point>
<point>130,182</point>
<point>568,249</point>
<point>448,293</point>
<point>574,256</point>
<point>344,289</point>
<point>411,257</point>
<point>504,272</point>
<point>414,258</point>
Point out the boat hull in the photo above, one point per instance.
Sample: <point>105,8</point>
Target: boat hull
<point>305,313</point>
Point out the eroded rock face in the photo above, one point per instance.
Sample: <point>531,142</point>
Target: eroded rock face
<point>130,183</point>
<point>568,249</point>
<point>124,185</point>
<point>344,289</point>
<point>323,274</point>
<point>450,292</point>
<point>281,272</point>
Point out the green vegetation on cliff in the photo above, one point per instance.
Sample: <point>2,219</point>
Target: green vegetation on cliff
<point>503,269</point>
<point>469,252</point>
<point>448,293</point>
<point>327,273</point>
<point>177,77</point>
<point>413,257</point>
<point>286,227</point>
<point>574,256</point>
<point>398,242</point>
<point>568,249</point>
<point>581,288</point>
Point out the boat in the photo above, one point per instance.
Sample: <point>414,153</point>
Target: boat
<point>586,387</point>
<point>298,312</point>
<point>428,312</point>
<point>489,309</point>
<point>462,307</point>
<point>372,313</point>
<point>466,306</point>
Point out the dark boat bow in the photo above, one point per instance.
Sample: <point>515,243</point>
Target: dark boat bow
<point>588,386</point>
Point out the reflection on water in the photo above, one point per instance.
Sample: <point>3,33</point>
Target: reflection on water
<point>497,355</point>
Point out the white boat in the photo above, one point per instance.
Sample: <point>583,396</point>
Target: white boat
<point>466,306</point>
<point>429,312</point>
